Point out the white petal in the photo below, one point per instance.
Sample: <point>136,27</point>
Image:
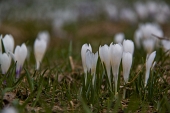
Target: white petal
<point>116,51</point>
<point>128,46</point>
<point>39,51</point>
<point>127,63</point>
<point>84,48</point>
<point>8,42</point>
<point>5,61</point>
<point>149,63</point>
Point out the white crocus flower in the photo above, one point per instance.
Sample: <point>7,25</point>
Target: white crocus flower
<point>84,49</point>
<point>119,37</point>
<point>19,57</point>
<point>127,63</point>
<point>9,110</point>
<point>91,62</point>
<point>40,46</point>
<point>149,63</point>
<point>8,42</point>
<point>44,35</point>
<point>128,46</point>
<point>116,51</point>
<point>5,62</point>
<point>104,53</point>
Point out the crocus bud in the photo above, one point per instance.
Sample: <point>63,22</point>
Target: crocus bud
<point>119,37</point>
<point>91,62</point>
<point>8,42</point>
<point>40,47</point>
<point>128,46</point>
<point>104,53</point>
<point>5,62</point>
<point>127,63</point>
<point>84,49</point>
<point>116,51</point>
<point>149,63</point>
<point>19,57</point>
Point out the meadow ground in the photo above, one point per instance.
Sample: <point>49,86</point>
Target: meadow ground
<point>59,84</point>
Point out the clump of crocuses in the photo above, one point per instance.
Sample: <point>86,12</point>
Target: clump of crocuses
<point>110,57</point>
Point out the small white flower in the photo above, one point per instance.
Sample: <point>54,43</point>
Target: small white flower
<point>127,63</point>
<point>128,46</point>
<point>116,51</point>
<point>9,110</point>
<point>8,42</point>
<point>40,47</point>
<point>19,57</point>
<point>104,53</point>
<point>119,37</point>
<point>91,62</point>
<point>84,49</point>
<point>149,63</point>
<point>5,62</point>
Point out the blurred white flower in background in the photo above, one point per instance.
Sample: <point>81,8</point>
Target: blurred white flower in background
<point>40,46</point>
<point>9,110</point>
<point>166,45</point>
<point>119,37</point>
<point>144,36</point>
<point>44,35</point>
<point>128,15</point>
<point>141,10</point>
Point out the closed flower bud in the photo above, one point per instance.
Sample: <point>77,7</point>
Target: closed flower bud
<point>149,63</point>
<point>127,63</point>
<point>5,62</point>
<point>128,46</point>
<point>84,49</point>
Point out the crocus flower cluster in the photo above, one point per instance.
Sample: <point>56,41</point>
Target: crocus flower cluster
<point>110,58</point>
<point>18,56</point>
<point>89,61</point>
<point>144,36</point>
<point>21,52</point>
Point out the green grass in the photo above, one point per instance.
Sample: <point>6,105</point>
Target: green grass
<point>58,88</point>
